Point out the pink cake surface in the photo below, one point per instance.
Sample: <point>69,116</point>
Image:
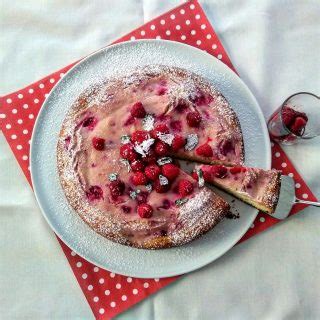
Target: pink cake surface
<point>176,115</point>
<point>255,186</point>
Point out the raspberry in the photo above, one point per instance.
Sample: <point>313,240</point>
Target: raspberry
<point>139,178</point>
<point>142,197</point>
<point>159,128</point>
<point>144,210</point>
<point>139,136</point>
<point>152,171</point>
<point>137,110</point>
<point>201,98</point>
<point>235,170</point>
<point>298,126</point>
<point>137,165</point>
<point>185,187</point>
<point>127,152</point>
<point>150,158</point>
<point>126,209</point>
<point>206,176</point>
<point>170,171</point>
<point>98,143</point>
<point>89,122</point>
<point>94,193</point>
<point>161,188</point>
<point>225,147</point>
<point>161,90</point>
<point>193,119</point>
<point>116,188</point>
<point>178,142</point>
<point>288,116</point>
<point>205,151</point>
<point>219,171</point>
<point>161,148</point>
<point>176,125</point>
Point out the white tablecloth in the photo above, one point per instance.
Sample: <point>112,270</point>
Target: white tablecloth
<point>275,47</point>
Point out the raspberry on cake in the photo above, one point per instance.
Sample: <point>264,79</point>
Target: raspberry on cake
<point>119,170</point>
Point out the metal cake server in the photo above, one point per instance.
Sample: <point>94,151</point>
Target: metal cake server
<point>288,199</point>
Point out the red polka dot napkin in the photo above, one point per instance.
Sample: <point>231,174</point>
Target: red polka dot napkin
<point>109,294</point>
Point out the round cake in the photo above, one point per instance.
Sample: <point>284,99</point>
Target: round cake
<point>118,156</point>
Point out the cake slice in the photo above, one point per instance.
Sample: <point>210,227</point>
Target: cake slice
<point>257,187</point>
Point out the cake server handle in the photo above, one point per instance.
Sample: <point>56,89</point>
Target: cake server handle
<point>311,203</point>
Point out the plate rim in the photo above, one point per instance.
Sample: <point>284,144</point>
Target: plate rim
<point>37,124</point>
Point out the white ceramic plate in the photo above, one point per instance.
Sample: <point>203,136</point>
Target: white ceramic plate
<point>116,60</point>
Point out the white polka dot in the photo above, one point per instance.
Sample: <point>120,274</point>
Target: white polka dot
<point>13,137</point>
<point>172,17</point>
<point>36,100</point>
<point>25,106</point>
<point>156,279</point>
<point>135,291</point>
<point>214,46</point>
<point>198,16</point>
<point>178,27</point>
<point>290,174</point>
<point>2,116</point>
<point>187,22</point>
<point>142,32</point>
<point>162,22</point>
<point>219,56</point>
<point>31,90</point>
<point>152,27</point>
<point>20,121</point>
<point>203,26</point>
<point>20,95</point>
<point>193,32</point>
<point>41,85</point>
<point>95,299</point>
<point>95,269</point>
<point>79,264</point>
<point>31,116</point>
<point>198,42</point>
<point>146,285</point>
<point>168,32</point>
<point>298,185</point>
<point>133,38</point>
<point>72,252</point>
<point>277,154</point>
<point>283,164</point>
<point>25,131</point>
<point>101,281</point>
<point>118,286</point>
<point>29,142</point>
<point>46,95</point>
<point>262,219</point>
<point>90,287</point>
<point>24,157</point>
<point>52,80</point>
<point>101,311</point>
<point>192,6</point>
<point>124,298</point>
<point>112,304</point>
<point>252,226</point>
<point>84,276</point>
<point>304,196</point>
<point>19,146</point>
<point>14,111</point>
<point>129,279</point>
<point>112,275</point>
<point>107,292</point>
<point>158,37</point>
<point>29,168</point>
<point>182,11</point>
<point>61,74</point>
<point>8,126</point>
<point>9,100</point>
<point>183,37</point>
<point>209,36</point>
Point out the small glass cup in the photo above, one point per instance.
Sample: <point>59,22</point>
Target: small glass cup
<point>298,118</point>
